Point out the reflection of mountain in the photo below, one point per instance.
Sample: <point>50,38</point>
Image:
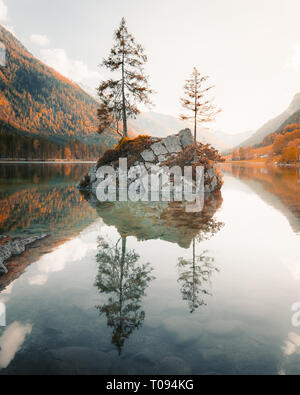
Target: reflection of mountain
<point>124,281</point>
<point>40,199</point>
<point>279,187</point>
<point>164,221</point>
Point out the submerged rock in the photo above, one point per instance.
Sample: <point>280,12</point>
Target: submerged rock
<point>10,247</point>
<point>158,220</point>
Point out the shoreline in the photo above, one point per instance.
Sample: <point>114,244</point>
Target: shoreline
<point>265,163</point>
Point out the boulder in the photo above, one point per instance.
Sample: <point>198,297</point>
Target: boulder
<point>162,158</point>
<point>172,144</point>
<point>148,156</point>
<point>15,246</point>
<point>159,149</point>
<point>186,138</point>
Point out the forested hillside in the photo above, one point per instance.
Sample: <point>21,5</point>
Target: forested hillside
<point>37,102</point>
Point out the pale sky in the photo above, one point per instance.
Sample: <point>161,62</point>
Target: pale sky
<point>250,49</point>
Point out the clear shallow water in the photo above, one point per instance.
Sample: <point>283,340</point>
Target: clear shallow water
<point>117,292</point>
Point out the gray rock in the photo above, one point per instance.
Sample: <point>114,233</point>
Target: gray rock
<point>186,138</point>
<point>211,172</point>
<point>159,149</point>
<point>148,165</point>
<point>148,156</point>
<point>172,144</point>
<point>162,158</point>
<point>14,247</point>
<point>93,171</point>
<point>93,178</point>
<point>160,152</point>
<point>208,189</point>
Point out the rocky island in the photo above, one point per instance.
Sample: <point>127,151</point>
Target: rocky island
<point>148,152</point>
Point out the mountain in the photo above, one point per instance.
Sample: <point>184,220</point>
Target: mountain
<point>288,126</point>
<point>37,101</point>
<point>45,115</point>
<point>232,140</point>
<point>274,124</point>
<point>161,125</point>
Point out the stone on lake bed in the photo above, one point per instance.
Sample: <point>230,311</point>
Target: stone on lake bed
<point>15,246</point>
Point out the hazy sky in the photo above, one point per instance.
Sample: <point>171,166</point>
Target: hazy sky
<point>251,49</point>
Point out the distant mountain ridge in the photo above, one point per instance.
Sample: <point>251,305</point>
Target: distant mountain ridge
<point>274,124</point>
<point>162,125</point>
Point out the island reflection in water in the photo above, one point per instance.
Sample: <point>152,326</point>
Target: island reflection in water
<point>53,325</point>
<point>124,280</point>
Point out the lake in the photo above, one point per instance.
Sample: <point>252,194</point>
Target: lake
<point>124,289</point>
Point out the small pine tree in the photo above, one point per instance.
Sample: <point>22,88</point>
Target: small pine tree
<point>197,102</point>
<point>120,97</point>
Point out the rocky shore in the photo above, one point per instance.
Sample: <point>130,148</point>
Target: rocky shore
<point>10,247</point>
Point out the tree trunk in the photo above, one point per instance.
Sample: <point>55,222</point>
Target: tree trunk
<point>122,267</point>
<point>123,98</point>
<point>196,94</point>
<point>195,132</point>
<point>194,276</point>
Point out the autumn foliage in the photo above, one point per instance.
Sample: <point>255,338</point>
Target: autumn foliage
<point>127,148</point>
<point>284,147</point>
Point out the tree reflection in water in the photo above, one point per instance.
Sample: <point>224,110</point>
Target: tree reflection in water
<point>195,275</point>
<point>125,282</point>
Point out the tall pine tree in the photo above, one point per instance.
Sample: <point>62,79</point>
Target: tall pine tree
<point>120,97</point>
<point>197,101</point>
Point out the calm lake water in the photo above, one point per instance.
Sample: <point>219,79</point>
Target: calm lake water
<point>117,289</point>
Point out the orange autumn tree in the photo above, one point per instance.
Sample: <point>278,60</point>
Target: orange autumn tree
<point>278,145</point>
<point>290,153</point>
<point>235,155</point>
